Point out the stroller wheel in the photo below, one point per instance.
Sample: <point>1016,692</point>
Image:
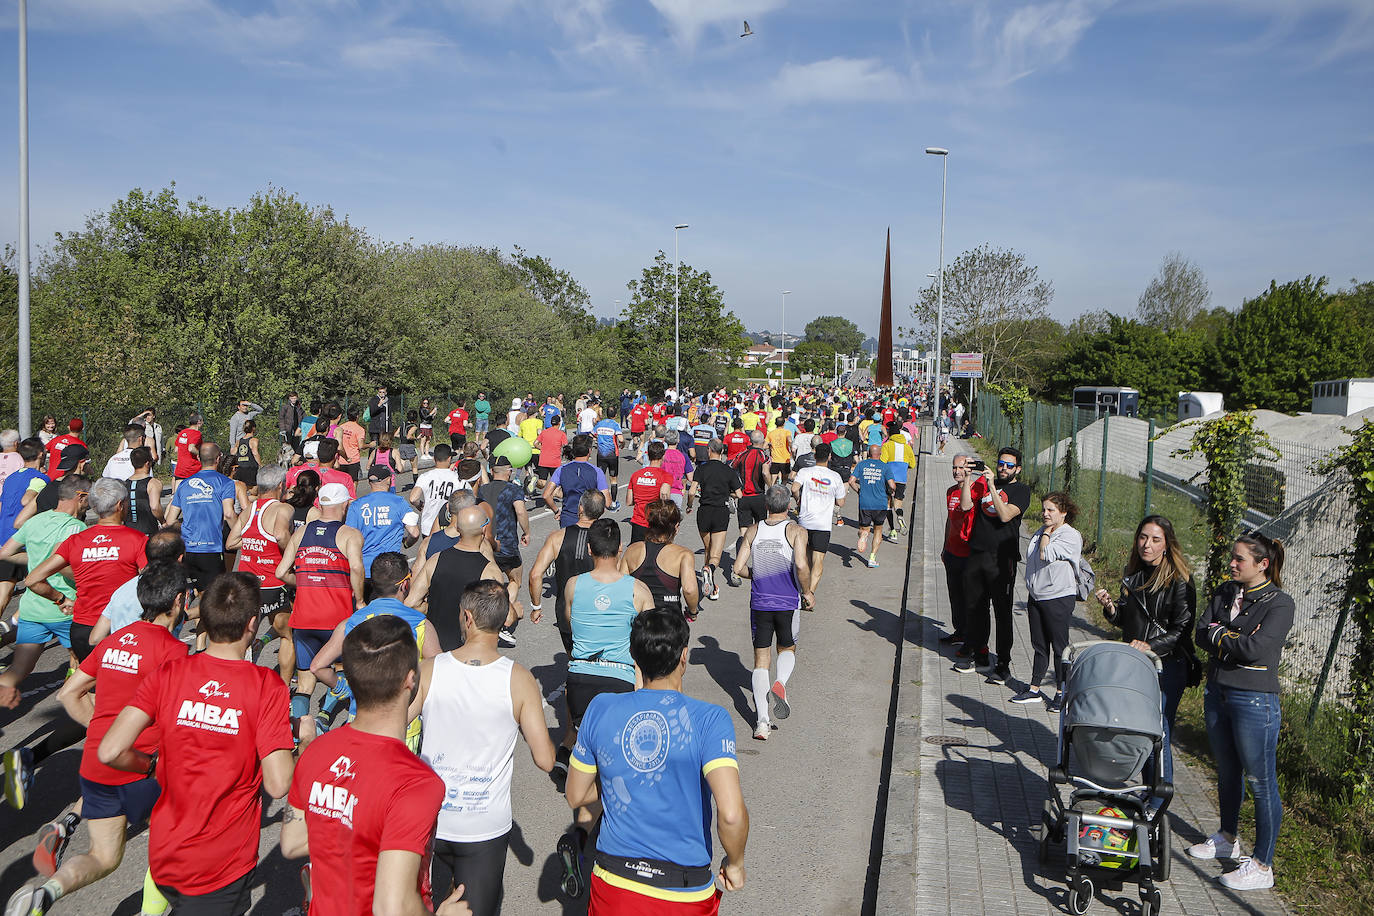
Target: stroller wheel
<point>1150,903</point>
<point>1080,895</point>
<point>1163,850</point>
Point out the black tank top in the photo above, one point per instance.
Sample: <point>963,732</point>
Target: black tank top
<point>574,559</point>
<point>298,514</point>
<point>247,468</point>
<point>666,589</point>
<point>454,571</point>
<point>141,516</point>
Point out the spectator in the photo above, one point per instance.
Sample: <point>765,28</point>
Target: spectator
<point>378,413</point>
<point>289,420</point>
<point>960,501</point>
<point>1243,629</point>
<point>247,411</point>
<point>1052,588</point>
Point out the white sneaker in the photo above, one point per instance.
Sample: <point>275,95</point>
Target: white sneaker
<point>1216,846</point>
<point>1251,876</point>
<point>761,733</point>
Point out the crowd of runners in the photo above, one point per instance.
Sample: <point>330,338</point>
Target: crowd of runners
<point>328,628</point>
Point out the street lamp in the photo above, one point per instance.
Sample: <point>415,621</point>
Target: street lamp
<point>931,374</point>
<point>25,403</point>
<point>940,295</point>
<point>677,333</point>
<point>783,373</point>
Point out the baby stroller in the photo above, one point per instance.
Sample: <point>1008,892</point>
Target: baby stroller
<point>1112,724</point>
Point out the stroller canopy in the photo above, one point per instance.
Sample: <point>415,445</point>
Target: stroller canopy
<point>1112,686</point>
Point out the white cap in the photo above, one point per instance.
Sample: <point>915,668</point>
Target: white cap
<point>333,494</point>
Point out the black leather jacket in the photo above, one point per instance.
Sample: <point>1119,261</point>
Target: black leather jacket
<point>1164,619</point>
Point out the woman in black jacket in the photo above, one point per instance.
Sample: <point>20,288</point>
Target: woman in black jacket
<point>1155,613</point>
<point>1243,629</point>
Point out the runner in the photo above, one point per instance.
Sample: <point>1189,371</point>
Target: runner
<point>777,547</point>
<point>679,466</point>
<point>434,487</point>
<point>205,503</point>
<point>475,701</point>
<point>362,806</point>
<point>668,569</point>
<point>111,800</point>
<point>120,466</point>
<point>352,437</point>
<point>511,524</point>
<point>639,419</point>
<point>440,581</point>
<point>646,485</point>
<point>653,853</point>
<point>755,476</point>
<point>224,740</point>
<point>258,535</point>
<point>324,561</point>
<point>123,608</point>
<point>715,483</point>
<point>573,479</point>
<point>59,444</point>
<point>458,426</point>
<point>188,460</point>
<point>20,489</point>
<point>900,457</point>
<point>818,491</point>
<point>387,523</point>
<point>872,480</point>
<point>608,456</point>
<point>550,446</point>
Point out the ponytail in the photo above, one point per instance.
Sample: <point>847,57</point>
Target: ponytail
<point>1262,547</point>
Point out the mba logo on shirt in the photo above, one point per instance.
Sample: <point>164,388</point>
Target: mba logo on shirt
<point>333,801</point>
<point>102,547</point>
<point>121,659</point>
<point>209,717</point>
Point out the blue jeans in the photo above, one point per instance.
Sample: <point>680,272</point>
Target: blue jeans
<point>1243,728</point>
<point>1173,680</point>
<point>481,425</point>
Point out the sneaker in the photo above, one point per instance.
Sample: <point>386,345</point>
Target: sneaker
<point>1028,696</point>
<point>950,638</point>
<point>18,776</point>
<point>708,582</point>
<point>1055,704</point>
<point>873,561</point>
<point>999,675</point>
<point>965,665</point>
<point>7,632</point>
<point>778,694</point>
<point>28,901</point>
<point>761,731</point>
<point>732,579</point>
<point>1216,846</point>
<point>982,664</point>
<point>505,639</point>
<point>615,507</point>
<point>561,758</point>
<point>890,538</point>
<point>52,846</point>
<point>1251,876</point>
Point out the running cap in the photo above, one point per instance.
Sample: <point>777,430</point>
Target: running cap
<point>515,403</point>
<point>501,462</point>
<point>333,494</point>
<point>72,455</point>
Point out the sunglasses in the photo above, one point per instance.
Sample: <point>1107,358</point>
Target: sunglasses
<point>1006,464</point>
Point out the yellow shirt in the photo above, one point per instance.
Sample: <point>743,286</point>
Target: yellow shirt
<point>530,430</point>
<point>781,442</point>
<point>897,448</point>
<point>751,421</point>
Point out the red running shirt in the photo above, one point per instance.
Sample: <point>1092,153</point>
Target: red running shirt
<point>324,583</point>
<point>219,719</point>
<point>735,444</point>
<point>961,522</point>
<point>103,557</point>
<point>187,462</point>
<point>645,484</point>
<point>362,794</point>
<point>551,442</point>
<point>119,664</point>
<point>638,416</point>
<point>55,449</point>
<point>458,422</point>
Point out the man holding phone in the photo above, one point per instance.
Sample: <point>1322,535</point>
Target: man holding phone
<point>969,487</point>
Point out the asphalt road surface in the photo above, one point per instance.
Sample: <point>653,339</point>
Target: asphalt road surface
<point>811,789</point>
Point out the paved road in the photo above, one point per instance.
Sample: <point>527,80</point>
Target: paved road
<point>811,788</point>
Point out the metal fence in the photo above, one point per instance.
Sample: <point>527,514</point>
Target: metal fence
<point>1119,469</point>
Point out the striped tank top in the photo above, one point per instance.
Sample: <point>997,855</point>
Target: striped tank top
<point>775,586</point>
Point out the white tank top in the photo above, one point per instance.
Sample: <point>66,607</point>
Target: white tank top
<point>469,740</point>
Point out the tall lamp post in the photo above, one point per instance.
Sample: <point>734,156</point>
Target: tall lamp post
<point>940,294</point>
<point>933,366</point>
<point>783,375</point>
<point>677,333</point>
<point>25,387</point>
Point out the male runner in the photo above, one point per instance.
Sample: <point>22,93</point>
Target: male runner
<point>351,437</point>
<point>20,489</point>
<point>458,426</point>
<point>639,419</point>
<point>755,475</point>
<point>474,702</point>
<point>434,487</point>
<point>111,799</point>
<point>438,584</point>
<point>818,491</point>
<point>608,455</point>
<point>551,440</point>
<point>124,607</point>
<point>259,535</point>
<point>573,479</point>
<point>777,547</point>
<point>143,511</point>
<point>225,738</point>
<point>206,500</point>
<point>324,562</point>
<point>511,525</point>
<point>322,462</point>
<point>872,480</point>
<point>715,483</point>
<point>646,485</point>
<point>387,522</point>
<point>362,806</point>
<point>653,853</point>
<point>59,445</point>
<point>900,457</point>
<point>120,466</point>
<point>188,458</point>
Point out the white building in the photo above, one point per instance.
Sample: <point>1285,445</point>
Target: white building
<point>1343,397</point>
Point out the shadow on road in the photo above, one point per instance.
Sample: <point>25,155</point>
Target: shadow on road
<point>729,672</point>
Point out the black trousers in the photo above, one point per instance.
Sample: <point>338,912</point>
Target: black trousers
<point>989,579</point>
<point>1049,631</point>
<point>954,582</point>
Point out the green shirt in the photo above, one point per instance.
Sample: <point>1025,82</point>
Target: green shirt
<point>482,408</point>
<point>41,535</point>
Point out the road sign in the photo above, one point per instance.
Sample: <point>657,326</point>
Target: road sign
<point>966,365</point>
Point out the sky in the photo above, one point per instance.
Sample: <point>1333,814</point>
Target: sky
<point>1092,137</point>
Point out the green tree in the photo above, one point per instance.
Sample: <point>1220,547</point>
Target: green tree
<point>1159,363</point>
<point>554,287</point>
<point>1176,296</point>
<point>811,357</point>
<point>712,338</point>
<point>994,301</point>
<point>1287,338</point>
<point>842,335</point>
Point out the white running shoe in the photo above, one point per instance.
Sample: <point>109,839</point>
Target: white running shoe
<point>1216,846</point>
<point>761,732</point>
<point>1251,876</point>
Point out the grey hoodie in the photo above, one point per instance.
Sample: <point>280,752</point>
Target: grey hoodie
<point>1053,577</point>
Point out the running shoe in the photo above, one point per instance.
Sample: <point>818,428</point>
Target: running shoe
<point>52,846</point>
<point>18,776</point>
<point>761,731</point>
<point>1216,846</point>
<point>873,561</point>
<point>708,581</point>
<point>949,638</point>
<point>1055,704</point>
<point>570,846</point>
<point>1028,696</point>
<point>999,675</point>
<point>1251,876</point>
<point>890,538</point>
<point>29,901</point>
<point>615,507</point>
<point>7,632</point>
<point>778,694</point>
<point>506,639</point>
<point>559,774</point>
<point>732,579</point>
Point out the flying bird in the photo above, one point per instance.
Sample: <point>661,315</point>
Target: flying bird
<point>747,31</point>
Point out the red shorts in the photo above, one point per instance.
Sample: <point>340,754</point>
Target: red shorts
<point>609,900</point>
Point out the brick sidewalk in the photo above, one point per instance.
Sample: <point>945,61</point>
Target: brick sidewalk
<point>960,831</point>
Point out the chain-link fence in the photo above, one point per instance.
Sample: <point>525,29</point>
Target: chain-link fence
<point>1120,469</point>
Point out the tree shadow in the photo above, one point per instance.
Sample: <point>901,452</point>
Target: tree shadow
<point>729,672</point>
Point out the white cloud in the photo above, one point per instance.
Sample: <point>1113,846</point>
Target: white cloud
<point>1032,37</point>
<point>392,51</point>
<point>838,79</point>
<point>689,18</point>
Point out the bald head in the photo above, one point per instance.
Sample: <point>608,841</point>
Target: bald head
<point>875,451</point>
<point>210,454</point>
<point>471,521</point>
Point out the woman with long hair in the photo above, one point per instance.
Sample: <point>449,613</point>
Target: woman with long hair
<point>247,459</point>
<point>302,498</point>
<point>1243,629</point>
<point>424,438</point>
<point>668,569</point>
<point>1052,588</point>
<point>47,430</point>
<point>1155,612</point>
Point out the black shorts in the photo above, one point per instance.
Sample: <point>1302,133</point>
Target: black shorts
<point>543,473</point>
<point>457,440</point>
<point>769,626</point>
<point>351,470</point>
<point>582,688</point>
<point>751,509</point>
<point>133,801</point>
<point>899,491</point>
<point>638,533</point>
<point>273,601</point>
<point>713,519</point>
<point>780,467</point>
<point>507,563</point>
<point>566,636</point>
<point>202,568</point>
<point>872,518</point>
<point>610,464</point>
<point>817,541</point>
<point>231,900</point>
<point>480,867</point>
<point>12,572</point>
<point>81,640</point>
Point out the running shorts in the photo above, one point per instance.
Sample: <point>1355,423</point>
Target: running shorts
<point>751,509</point>
<point>134,800</point>
<point>872,518</point>
<point>39,632</point>
<point>231,900</point>
<point>273,601</point>
<point>607,899</point>
<point>308,644</point>
<point>638,533</point>
<point>81,640</point>
<point>770,625</point>
<point>899,491</point>
<point>582,688</point>
<point>817,541</point>
<point>713,519</point>
<point>507,563</point>
<point>781,467</point>
<point>12,572</point>
<point>203,568</point>
<point>610,464</point>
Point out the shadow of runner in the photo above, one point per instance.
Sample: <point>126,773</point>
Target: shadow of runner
<point>887,624</point>
<point>729,672</point>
